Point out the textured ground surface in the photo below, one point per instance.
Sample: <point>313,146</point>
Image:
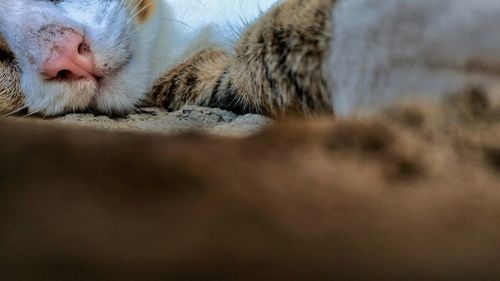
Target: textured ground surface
<point>410,194</point>
<point>191,118</point>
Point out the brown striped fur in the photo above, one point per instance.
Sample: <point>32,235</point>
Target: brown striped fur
<point>10,93</point>
<point>191,82</point>
<point>277,67</point>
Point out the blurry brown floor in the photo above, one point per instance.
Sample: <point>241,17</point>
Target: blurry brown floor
<point>412,194</point>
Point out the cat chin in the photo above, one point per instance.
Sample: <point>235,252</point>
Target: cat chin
<point>57,97</point>
<point>119,97</point>
<point>107,96</point>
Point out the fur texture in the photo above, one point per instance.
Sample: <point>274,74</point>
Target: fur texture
<point>389,51</point>
<point>32,27</point>
<point>277,67</point>
<point>134,43</point>
<point>303,57</point>
<point>11,98</point>
<point>355,57</point>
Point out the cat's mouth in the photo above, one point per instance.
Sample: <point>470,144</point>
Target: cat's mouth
<point>65,76</point>
<point>97,77</point>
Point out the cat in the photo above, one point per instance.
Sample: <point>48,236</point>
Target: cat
<point>408,195</point>
<point>306,57</point>
<point>70,55</point>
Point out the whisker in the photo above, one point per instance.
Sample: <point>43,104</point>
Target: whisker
<point>118,8</point>
<point>137,13</point>
<point>127,4</point>
<point>32,113</point>
<point>179,22</point>
<point>16,111</point>
<point>133,12</point>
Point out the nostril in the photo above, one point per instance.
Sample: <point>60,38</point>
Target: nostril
<point>63,74</point>
<point>83,48</point>
<point>67,75</point>
<point>70,59</point>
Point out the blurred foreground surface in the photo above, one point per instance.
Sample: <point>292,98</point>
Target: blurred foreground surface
<point>412,194</point>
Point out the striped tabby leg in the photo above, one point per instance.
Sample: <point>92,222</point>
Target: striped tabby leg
<point>277,69</point>
<point>11,98</point>
<point>191,82</point>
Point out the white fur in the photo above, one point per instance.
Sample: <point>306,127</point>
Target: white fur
<point>193,25</point>
<point>137,53</point>
<point>385,51</point>
<point>381,51</point>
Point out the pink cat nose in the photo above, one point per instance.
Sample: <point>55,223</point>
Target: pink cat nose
<point>69,59</point>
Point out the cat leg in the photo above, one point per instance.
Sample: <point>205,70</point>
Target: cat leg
<point>277,68</point>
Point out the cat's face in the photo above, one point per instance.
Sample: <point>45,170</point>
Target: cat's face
<point>73,55</point>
